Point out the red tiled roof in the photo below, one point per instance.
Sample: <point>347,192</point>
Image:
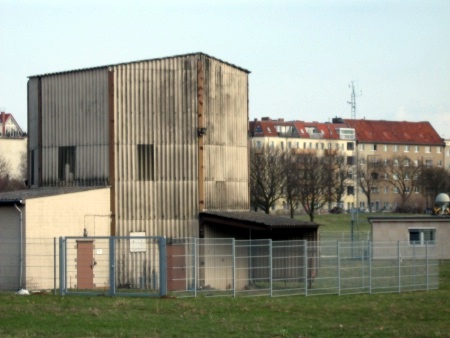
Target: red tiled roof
<point>401,132</point>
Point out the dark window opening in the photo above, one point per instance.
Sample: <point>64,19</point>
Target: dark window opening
<point>145,162</point>
<point>66,164</point>
<point>350,146</point>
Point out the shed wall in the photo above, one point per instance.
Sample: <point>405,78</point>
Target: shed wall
<point>55,216</point>
<point>9,248</point>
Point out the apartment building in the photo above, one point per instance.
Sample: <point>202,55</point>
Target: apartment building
<point>362,142</point>
<point>416,143</point>
<point>307,137</point>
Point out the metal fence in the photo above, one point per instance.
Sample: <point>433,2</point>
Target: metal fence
<point>155,266</point>
<point>217,267</point>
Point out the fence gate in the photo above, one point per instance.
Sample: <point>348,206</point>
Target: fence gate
<point>113,265</point>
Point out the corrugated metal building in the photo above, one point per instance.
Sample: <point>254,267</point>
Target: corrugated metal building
<point>169,136</point>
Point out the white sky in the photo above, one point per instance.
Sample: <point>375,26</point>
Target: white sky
<point>302,54</point>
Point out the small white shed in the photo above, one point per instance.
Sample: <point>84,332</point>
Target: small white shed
<point>31,219</point>
<point>416,230</point>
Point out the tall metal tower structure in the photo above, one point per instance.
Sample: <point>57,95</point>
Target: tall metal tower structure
<point>355,211</point>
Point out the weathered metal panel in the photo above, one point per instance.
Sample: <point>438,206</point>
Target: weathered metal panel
<point>226,154</point>
<point>155,105</point>
<point>75,113</point>
<point>33,124</point>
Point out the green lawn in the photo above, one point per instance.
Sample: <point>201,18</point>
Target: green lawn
<point>414,314</point>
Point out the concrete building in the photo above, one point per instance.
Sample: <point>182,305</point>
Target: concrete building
<point>163,141</point>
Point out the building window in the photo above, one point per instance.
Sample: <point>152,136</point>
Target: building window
<point>395,161</point>
<point>361,147</point>
<point>66,163</point>
<point>350,160</point>
<point>438,150</point>
<point>428,163</point>
<point>395,147</point>
<point>373,147</point>
<point>145,162</point>
<point>416,149</point>
<point>406,149</point>
<point>322,146</point>
<point>350,190</point>
<point>304,145</point>
<point>258,144</point>
<point>272,144</point>
<point>350,146</point>
<point>428,149</point>
<point>395,190</point>
<point>317,145</point>
<point>386,190</point>
<point>282,145</point>
<point>422,236</point>
<point>406,163</point>
<point>416,163</point>
<point>439,163</point>
<point>385,147</point>
<point>289,145</point>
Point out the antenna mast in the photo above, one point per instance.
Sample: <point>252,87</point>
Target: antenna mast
<point>355,212</point>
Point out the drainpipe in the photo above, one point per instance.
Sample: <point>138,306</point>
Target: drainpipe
<point>21,246</point>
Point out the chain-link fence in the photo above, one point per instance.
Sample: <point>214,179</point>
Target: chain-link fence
<point>154,266</point>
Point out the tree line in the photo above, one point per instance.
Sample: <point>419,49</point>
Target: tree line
<point>311,182</point>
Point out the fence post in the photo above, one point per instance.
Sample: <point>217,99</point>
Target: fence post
<point>426,262</point>
<point>339,265</point>
<point>270,267</point>
<point>62,258</point>
<point>399,267</point>
<point>369,257</point>
<point>54,266</point>
<point>305,264</point>
<point>233,248</point>
<point>195,265</point>
<point>414,266</point>
<point>112,267</point>
<point>162,266</point>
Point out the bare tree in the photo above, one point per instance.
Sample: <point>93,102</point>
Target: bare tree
<point>404,175</point>
<point>313,181</point>
<point>368,174</point>
<point>338,172</point>
<point>292,187</point>
<point>434,180</point>
<point>267,177</point>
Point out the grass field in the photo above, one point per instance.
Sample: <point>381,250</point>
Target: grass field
<point>413,314</point>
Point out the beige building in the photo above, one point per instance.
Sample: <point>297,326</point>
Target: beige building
<point>430,233</point>
<point>362,142</point>
<point>383,141</point>
<point>307,137</point>
<point>31,220</point>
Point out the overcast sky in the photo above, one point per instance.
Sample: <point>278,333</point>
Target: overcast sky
<point>302,54</point>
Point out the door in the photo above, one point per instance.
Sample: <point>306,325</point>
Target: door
<point>85,264</point>
<point>176,267</point>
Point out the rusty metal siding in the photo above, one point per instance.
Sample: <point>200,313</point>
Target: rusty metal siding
<point>155,104</point>
<point>75,113</point>
<point>226,154</point>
